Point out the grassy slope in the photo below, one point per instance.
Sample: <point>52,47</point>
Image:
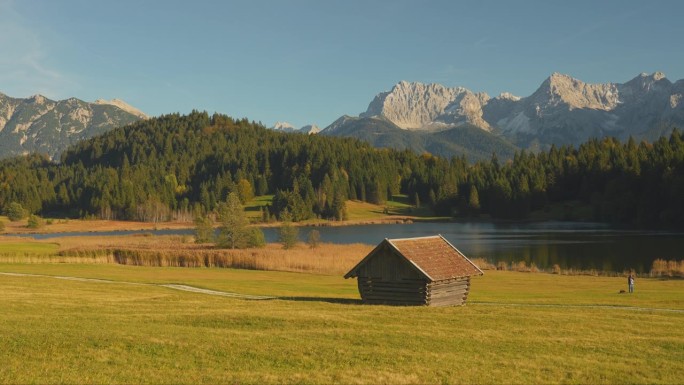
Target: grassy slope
<point>73,332</point>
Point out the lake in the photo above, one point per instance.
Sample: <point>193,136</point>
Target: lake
<point>571,245</point>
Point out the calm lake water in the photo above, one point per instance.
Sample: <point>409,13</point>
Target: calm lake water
<point>568,244</point>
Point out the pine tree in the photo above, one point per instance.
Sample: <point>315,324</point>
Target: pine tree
<point>474,200</point>
<point>288,232</point>
<point>233,233</point>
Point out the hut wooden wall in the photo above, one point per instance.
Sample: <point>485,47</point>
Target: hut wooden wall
<point>450,292</point>
<point>389,279</point>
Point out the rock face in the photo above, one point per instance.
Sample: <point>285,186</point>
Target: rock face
<point>563,110</point>
<point>284,127</point>
<point>287,127</point>
<point>124,106</point>
<point>418,106</point>
<point>310,129</point>
<point>38,124</point>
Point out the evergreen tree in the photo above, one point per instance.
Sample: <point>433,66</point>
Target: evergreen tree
<point>314,239</point>
<point>339,208</point>
<point>15,212</point>
<point>233,231</point>
<point>473,201</point>
<point>288,233</point>
<point>256,237</point>
<point>204,229</point>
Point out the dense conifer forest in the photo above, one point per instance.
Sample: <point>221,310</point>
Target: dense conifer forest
<point>178,166</point>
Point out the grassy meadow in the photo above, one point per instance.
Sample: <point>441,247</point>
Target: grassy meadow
<point>516,328</point>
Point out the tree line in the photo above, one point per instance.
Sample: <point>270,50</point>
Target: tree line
<point>178,166</point>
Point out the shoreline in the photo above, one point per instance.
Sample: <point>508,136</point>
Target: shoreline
<point>107,226</point>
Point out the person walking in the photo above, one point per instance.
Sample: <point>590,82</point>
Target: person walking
<point>630,283</point>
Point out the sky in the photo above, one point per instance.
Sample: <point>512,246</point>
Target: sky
<point>312,61</point>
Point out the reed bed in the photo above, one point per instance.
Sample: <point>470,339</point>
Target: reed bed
<point>252,259</point>
<point>660,269</point>
<point>664,268</point>
<point>326,259</point>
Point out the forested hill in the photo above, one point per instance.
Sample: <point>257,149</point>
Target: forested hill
<point>158,167</point>
<point>178,166</point>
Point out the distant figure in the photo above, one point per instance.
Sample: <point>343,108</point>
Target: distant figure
<point>630,283</point>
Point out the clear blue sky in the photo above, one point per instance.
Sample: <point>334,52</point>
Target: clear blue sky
<point>312,61</point>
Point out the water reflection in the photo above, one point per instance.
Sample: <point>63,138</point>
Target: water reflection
<point>570,245</point>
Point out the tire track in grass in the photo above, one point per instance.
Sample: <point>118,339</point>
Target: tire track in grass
<point>180,287</point>
<point>198,290</point>
<point>214,292</point>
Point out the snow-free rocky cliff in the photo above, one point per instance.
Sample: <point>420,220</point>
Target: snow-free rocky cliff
<point>40,125</point>
<point>287,127</point>
<point>563,110</point>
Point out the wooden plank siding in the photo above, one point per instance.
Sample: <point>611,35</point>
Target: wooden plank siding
<point>413,292</point>
<point>379,291</point>
<point>448,292</point>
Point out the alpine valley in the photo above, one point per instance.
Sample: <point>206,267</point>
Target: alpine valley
<point>40,125</point>
<point>563,110</point>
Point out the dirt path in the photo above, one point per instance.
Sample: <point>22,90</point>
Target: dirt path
<point>168,286</point>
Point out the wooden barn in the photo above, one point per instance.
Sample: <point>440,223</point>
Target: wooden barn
<point>414,271</point>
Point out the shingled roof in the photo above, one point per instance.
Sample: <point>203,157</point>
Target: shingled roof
<point>433,256</point>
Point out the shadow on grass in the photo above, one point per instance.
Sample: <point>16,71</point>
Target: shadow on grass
<point>342,301</point>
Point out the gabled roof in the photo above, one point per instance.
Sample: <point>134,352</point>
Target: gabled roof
<point>434,257</point>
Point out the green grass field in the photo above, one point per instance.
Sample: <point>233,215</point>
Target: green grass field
<point>516,328</point>
<point>398,205</point>
<point>27,248</point>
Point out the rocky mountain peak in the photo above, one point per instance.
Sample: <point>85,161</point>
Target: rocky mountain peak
<point>508,96</point>
<point>37,99</point>
<point>419,106</point>
<point>653,77</point>
<point>645,82</point>
<point>124,106</point>
<point>563,90</point>
<point>310,129</point>
<point>283,126</point>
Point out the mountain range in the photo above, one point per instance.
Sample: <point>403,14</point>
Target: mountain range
<point>563,110</point>
<point>38,124</point>
<point>444,121</point>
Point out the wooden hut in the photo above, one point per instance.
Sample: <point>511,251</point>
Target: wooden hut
<point>414,271</point>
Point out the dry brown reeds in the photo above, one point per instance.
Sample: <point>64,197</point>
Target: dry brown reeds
<point>664,268</point>
<point>172,252</point>
<point>483,264</point>
<point>327,259</point>
<point>531,267</point>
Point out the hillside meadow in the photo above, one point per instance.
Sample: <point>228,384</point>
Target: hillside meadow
<point>516,327</point>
